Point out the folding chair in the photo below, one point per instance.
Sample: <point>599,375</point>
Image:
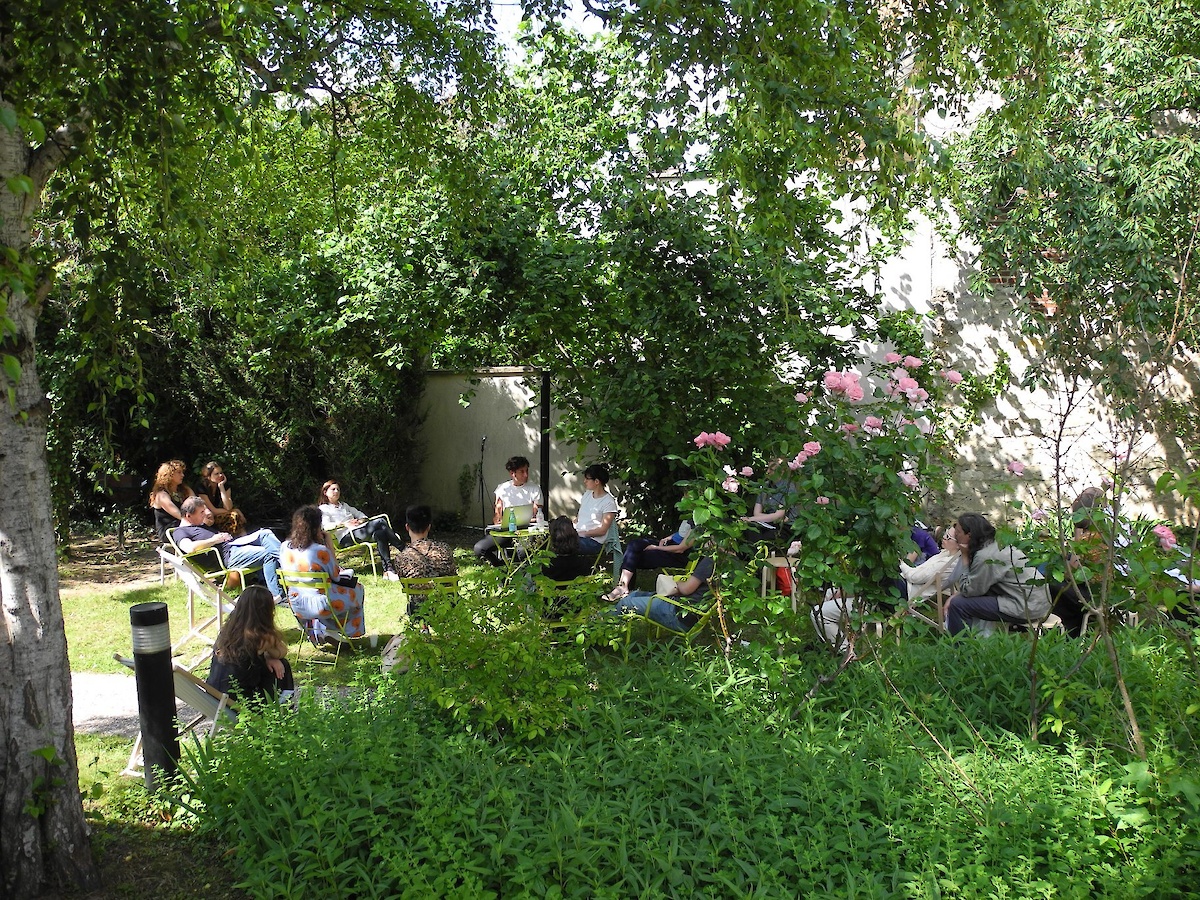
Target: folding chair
<point>208,561</point>
<point>200,585</point>
<point>703,615</point>
<point>210,705</point>
<point>312,630</point>
<point>417,589</point>
<point>367,546</point>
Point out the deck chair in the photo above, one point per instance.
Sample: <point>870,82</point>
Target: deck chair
<point>207,606</point>
<point>417,589</point>
<point>209,704</point>
<point>368,547</point>
<point>209,561</point>
<point>313,630</point>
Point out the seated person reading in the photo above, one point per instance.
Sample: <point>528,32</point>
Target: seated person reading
<point>348,526</point>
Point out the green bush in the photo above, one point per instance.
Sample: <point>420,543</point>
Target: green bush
<point>686,775</point>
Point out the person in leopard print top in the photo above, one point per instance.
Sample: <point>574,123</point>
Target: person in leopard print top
<point>423,558</point>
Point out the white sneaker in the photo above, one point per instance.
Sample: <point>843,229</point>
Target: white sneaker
<point>391,576</point>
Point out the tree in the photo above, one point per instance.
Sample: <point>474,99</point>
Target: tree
<point>84,86</point>
<point>1083,191</point>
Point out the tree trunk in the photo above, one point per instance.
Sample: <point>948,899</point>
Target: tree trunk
<point>43,835</point>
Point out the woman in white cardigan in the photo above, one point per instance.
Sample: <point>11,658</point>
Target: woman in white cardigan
<point>936,572</point>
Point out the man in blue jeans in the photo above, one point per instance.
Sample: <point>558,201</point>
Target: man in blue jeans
<point>694,587</point>
<point>258,549</point>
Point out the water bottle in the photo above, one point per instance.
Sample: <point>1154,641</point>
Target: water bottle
<point>512,520</point>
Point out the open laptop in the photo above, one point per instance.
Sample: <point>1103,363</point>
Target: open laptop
<point>523,512</point>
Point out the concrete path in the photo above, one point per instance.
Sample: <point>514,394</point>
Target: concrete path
<point>105,704</point>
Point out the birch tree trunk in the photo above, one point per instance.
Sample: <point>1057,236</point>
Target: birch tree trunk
<point>43,835</point>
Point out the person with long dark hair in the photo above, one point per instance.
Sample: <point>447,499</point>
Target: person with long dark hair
<point>249,654</point>
<point>215,490</point>
<point>309,548</point>
<point>348,526</point>
<point>998,584</point>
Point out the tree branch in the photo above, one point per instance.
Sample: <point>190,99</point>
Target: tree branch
<point>55,150</point>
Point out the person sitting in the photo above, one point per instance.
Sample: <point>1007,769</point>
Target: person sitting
<point>926,579</point>
<point>249,653</point>
<point>597,510</point>
<point>774,510</point>
<point>260,548</point>
<point>167,495</point>
<point>568,560</point>
<point>998,583</point>
<point>645,553</point>
<point>517,491</point>
<point>668,615</point>
<point>214,488</point>
<point>1072,598</point>
<point>927,545</point>
<point>423,558</point>
<point>349,526</point>
<point>309,548</point>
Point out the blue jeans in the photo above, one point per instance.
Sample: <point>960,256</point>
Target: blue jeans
<point>661,612</point>
<point>589,545</point>
<point>960,611</point>
<point>263,552</point>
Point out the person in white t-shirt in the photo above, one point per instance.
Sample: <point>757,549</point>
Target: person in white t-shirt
<point>517,491</point>
<point>597,509</point>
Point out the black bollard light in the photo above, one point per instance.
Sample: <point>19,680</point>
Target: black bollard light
<point>155,690</point>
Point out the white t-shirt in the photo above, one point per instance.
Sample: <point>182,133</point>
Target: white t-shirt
<point>510,495</point>
<point>592,511</point>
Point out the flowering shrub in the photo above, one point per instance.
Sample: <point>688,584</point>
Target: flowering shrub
<point>863,446</point>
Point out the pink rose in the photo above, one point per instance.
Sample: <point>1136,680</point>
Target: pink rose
<point>1038,515</point>
<point>1016,467</point>
<point>730,484</point>
<point>1166,537</point>
<point>801,459</point>
<point>729,471</point>
<point>951,376</point>
<point>794,549</point>
<point>892,358</point>
<point>873,425</point>
<point>912,362</point>
<point>702,439</point>
<point>747,471</point>
<point>909,479</point>
<point>812,448</point>
<point>833,380</point>
<point>720,440</point>
<point>906,384</point>
<point>822,501</point>
<point>899,373</point>
<point>849,428</point>
<point>802,398</point>
<point>854,393</point>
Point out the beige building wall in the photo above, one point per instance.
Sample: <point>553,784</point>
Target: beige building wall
<point>501,405</point>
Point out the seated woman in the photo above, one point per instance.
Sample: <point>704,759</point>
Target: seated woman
<point>248,657</point>
<point>645,553</point>
<point>1072,598</point>
<point>694,587</point>
<point>997,585</point>
<point>167,495</point>
<point>569,560</point>
<point>309,549</point>
<point>597,510</point>
<point>925,580</point>
<point>350,526</point>
<point>215,491</point>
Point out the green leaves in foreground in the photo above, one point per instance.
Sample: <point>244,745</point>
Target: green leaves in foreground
<point>677,781</point>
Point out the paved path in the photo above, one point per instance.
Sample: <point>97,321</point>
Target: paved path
<point>105,704</point>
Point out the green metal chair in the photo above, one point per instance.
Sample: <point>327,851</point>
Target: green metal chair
<point>309,632</point>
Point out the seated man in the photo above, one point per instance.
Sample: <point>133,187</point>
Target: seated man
<point>657,610</point>
<point>261,548</point>
<point>422,558</point>
<point>517,491</point>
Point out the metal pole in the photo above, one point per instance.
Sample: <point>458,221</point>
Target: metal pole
<point>155,690</point>
<point>545,435</point>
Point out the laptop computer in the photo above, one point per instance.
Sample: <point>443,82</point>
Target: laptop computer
<point>523,513</point>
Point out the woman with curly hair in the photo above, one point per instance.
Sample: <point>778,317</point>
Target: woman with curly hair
<point>248,657</point>
<point>167,495</point>
<point>310,549</point>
